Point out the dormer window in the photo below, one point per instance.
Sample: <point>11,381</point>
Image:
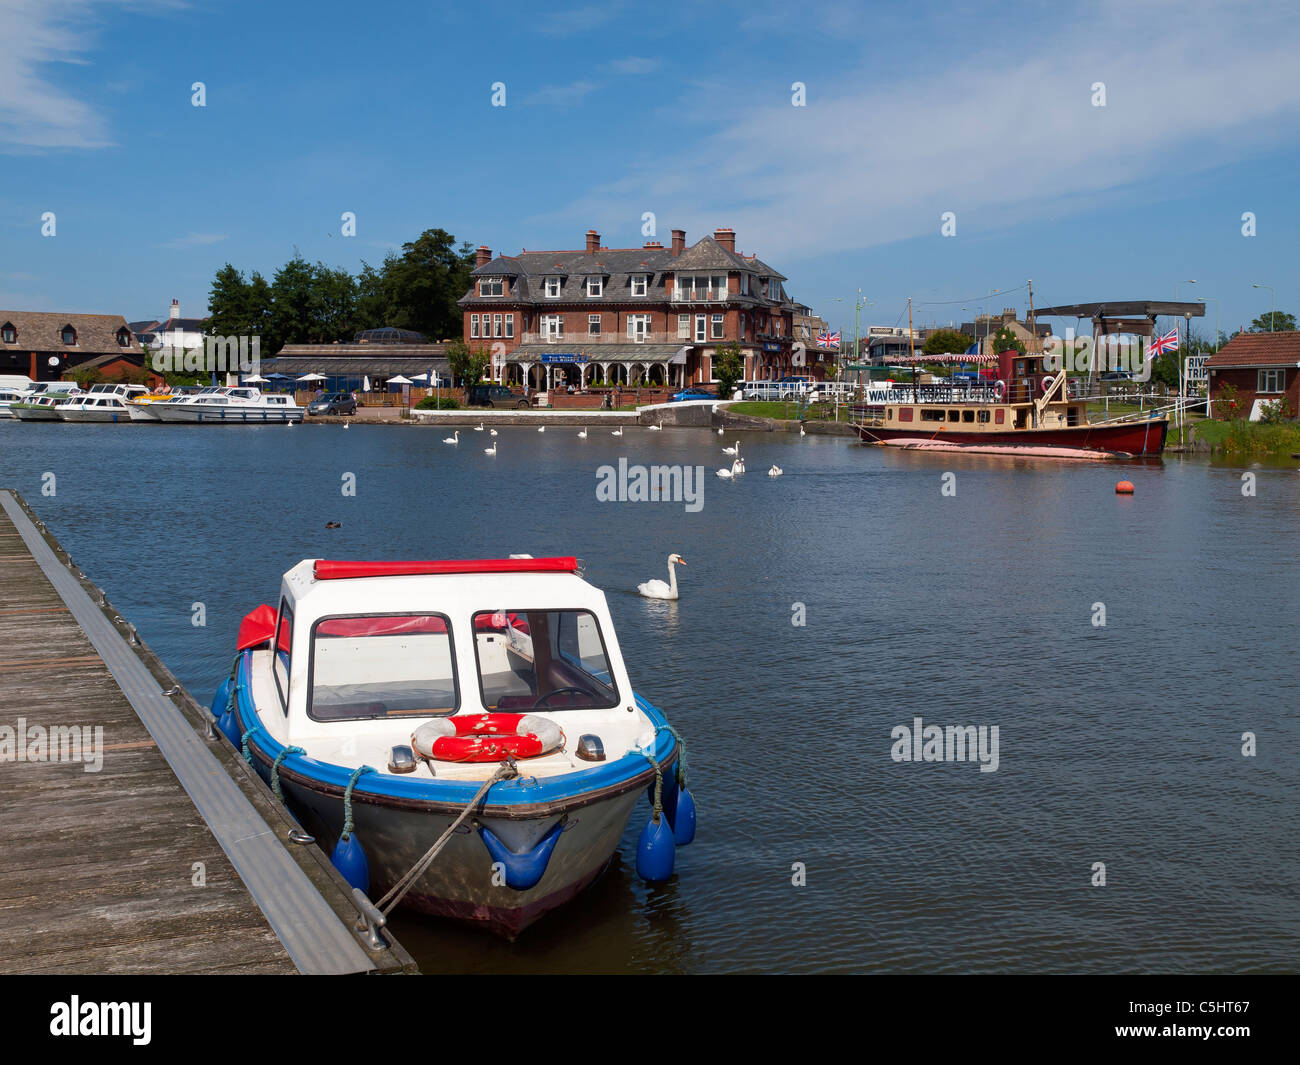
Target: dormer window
<point>9,333</point>
<point>552,288</point>
<point>492,286</point>
<point>595,286</point>
<point>69,335</point>
<point>639,284</point>
<point>124,337</point>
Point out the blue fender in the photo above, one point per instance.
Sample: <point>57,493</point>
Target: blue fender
<point>684,825</point>
<point>655,851</point>
<point>350,859</point>
<point>522,870</point>
<point>225,715</point>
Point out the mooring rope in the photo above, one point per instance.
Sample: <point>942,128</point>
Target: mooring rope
<point>347,798</point>
<point>399,889</point>
<point>275,769</point>
<point>681,752</point>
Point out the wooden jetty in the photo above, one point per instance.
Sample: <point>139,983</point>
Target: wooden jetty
<point>171,856</point>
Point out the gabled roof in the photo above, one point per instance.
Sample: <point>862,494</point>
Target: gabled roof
<point>707,254</point>
<point>1258,349</point>
<point>42,331</point>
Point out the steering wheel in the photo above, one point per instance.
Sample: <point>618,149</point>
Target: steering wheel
<point>560,691</point>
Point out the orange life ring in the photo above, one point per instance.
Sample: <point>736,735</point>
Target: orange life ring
<point>1047,381</point>
<point>999,389</point>
<point>486,737</point>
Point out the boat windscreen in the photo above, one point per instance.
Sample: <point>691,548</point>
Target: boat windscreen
<point>542,660</point>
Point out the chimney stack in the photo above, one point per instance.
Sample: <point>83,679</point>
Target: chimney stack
<point>679,242</point>
<point>727,238</point>
<point>593,242</point>
<point>484,256</point>
<point>176,310</point>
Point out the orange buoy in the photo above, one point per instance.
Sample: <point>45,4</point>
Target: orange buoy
<point>1124,488</point>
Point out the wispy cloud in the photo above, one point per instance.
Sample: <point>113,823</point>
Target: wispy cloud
<point>579,19</point>
<point>996,142</point>
<point>563,95</point>
<point>196,240</point>
<point>36,114</point>
<point>633,64</point>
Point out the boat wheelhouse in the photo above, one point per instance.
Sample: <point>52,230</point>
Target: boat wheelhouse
<point>484,704</point>
<point>1025,412</point>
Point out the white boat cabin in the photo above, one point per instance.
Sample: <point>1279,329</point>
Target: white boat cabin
<point>360,662</point>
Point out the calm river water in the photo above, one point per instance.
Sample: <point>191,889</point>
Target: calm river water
<point>1119,744</point>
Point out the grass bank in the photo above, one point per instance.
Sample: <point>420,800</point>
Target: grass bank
<point>822,412</point>
<point>1240,437</point>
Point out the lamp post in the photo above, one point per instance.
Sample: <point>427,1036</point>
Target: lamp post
<point>1211,299</point>
<point>1272,313</point>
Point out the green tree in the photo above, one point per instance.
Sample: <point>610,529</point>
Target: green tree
<point>728,368</point>
<point>1005,339</point>
<point>425,282</point>
<point>1281,322</point>
<point>467,364</point>
<point>946,342</point>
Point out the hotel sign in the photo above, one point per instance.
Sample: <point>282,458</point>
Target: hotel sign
<point>562,357</point>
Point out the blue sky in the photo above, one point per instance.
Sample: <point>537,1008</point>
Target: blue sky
<point>615,109</point>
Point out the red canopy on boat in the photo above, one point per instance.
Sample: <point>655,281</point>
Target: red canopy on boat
<point>329,570</point>
<point>257,627</point>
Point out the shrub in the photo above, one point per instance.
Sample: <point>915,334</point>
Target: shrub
<point>436,403</point>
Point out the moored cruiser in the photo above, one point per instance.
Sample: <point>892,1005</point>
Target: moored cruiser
<point>103,403</point>
<point>230,406</point>
<point>1025,412</point>
<point>481,707</point>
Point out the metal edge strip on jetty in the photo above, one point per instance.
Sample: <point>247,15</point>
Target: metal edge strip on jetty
<point>304,900</point>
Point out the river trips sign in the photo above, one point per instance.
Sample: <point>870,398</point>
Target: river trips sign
<point>1194,367</point>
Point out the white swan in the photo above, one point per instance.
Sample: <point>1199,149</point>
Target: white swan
<point>493,432</point>
<point>732,450</point>
<point>738,466</point>
<point>582,435</point>
<point>656,428</point>
<point>719,430</point>
<point>728,474</point>
<point>347,425</point>
<point>658,589</point>
<point>478,428</point>
<point>775,471</point>
<point>617,432</point>
<point>541,428</point>
<point>490,450</point>
<point>453,439</point>
<point>802,430</point>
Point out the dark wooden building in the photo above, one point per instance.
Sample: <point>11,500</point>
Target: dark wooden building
<point>46,347</point>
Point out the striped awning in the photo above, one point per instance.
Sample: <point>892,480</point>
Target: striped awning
<point>949,358</point>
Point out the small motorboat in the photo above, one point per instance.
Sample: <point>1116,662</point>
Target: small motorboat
<point>476,711</point>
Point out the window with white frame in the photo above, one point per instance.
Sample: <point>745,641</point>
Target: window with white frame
<point>510,325</point>
<point>595,286</point>
<point>593,325</point>
<point>492,286</point>
<point>638,327</point>
<point>496,325</point>
<point>683,327</point>
<point>639,284</point>
<point>552,288</point>
<point>552,327</point>
<point>1272,381</point>
<point>717,327</point>
<point>473,325</point>
<point>701,286</point>
<point>701,327</point>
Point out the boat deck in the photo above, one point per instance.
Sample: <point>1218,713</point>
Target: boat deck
<point>100,867</point>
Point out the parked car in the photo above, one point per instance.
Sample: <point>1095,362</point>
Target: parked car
<point>496,396</point>
<point>694,392</point>
<point>334,403</point>
<point>1117,375</point>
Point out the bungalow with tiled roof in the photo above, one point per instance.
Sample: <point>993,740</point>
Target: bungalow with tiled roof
<point>1253,369</point>
<point>45,346</point>
<point>648,315</point>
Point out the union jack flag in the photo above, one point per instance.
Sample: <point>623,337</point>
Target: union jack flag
<point>1159,345</point>
<point>828,340</point>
